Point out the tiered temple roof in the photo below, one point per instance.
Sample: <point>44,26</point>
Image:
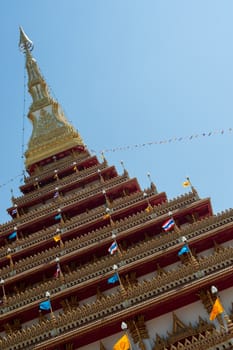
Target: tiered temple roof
<point>55,249</point>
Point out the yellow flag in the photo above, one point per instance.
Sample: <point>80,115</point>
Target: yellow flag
<point>216,310</point>
<point>186,183</point>
<point>8,256</point>
<point>122,344</point>
<point>149,209</point>
<point>57,238</point>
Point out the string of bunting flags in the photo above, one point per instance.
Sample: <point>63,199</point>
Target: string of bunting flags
<point>166,141</point>
<point>140,145</point>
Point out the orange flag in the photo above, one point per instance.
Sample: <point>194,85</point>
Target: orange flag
<point>216,310</point>
<point>122,344</point>
<point>106,216</point>
<point>57,238</point>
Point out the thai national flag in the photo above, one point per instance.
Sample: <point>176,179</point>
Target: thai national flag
<point>56,194</point>
<point>113,248</point>
<point>168,225</point>
<point>57,272</point>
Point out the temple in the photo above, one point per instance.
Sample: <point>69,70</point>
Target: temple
<point>91,261</point>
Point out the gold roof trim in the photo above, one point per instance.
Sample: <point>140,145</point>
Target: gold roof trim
<point>51,135</point>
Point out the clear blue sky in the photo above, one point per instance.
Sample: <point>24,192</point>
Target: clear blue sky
<point>128,72</point>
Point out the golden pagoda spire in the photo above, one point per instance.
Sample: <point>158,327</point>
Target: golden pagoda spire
<point>51,133</point>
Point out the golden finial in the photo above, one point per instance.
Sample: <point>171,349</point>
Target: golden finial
<point>25,44</point>
<point>52,133</point>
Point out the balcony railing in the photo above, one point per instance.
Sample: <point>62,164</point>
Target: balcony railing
<point>143,292</point>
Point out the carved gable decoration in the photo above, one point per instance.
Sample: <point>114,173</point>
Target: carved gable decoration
<point>180,346</point>
<point>159,342</point>
<point>178,325</point>
<point>187,343</point>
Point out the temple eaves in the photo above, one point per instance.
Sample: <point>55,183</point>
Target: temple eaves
<point>51,133</point>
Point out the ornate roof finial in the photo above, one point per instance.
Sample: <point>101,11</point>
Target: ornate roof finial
<point>52,133</point>
<point>25,44</point>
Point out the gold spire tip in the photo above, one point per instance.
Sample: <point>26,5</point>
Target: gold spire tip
<point>25,44</point>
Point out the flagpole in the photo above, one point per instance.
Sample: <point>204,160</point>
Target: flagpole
<point>75,167</point>
<point>125,172</point>
<point>53,318</point>
<point>60,270</point>
<point>15,229</point>
<point>123,290</point>
<point>10,259</point>
<point>190,184</point>
<point>118,247</point>
<point>56,175</point>
<point>140,342</point>
<point>191,257</point>
<point>103,158</point>
<point>106,198</point>
<point>2,281</point>
<point>61,218</point>
<point>37,183</point>
<point>124,327</point>
<point>214,292</point>
<point>108,215</point>
<point>176,228</point>
<point>57,194</point>
<point>100,176</point>
<point>149,206</point>
<point>152,185</point>
<point>17,212</point>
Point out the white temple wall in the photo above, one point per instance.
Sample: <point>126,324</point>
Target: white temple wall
<point>163,324</point>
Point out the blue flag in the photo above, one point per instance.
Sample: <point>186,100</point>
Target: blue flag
<point>57,217</point>
<point>113,279</point>
<point>183,250</point>
<point>12,235</point>
<point>45,305</point>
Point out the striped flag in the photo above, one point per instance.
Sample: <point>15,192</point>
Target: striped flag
<point>56,194</point>
<point>113,248</point>
<point>168,225</point>
<point>57,272</point>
